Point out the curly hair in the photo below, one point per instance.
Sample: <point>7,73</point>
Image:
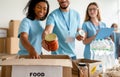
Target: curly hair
<point>30,9</point>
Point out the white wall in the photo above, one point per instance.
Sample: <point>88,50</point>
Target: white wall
<point>11,9</point>
<point>119,12</point>
<point>110,12</point>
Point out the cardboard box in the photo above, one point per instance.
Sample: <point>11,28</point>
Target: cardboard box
<point>12,45</point>
<point>4,56</point>
<point>5,69</point>
<point>75,70</point>
<point>13,28</point>
<point>47,66</point>
<point>0,72</point>
<point>3,32</point>
<point>2,45</point>
<point>94,67</point>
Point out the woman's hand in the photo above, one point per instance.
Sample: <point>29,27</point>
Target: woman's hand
<point>25,42</point>
<point>34,55</point>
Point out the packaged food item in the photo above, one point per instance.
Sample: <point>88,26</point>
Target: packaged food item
<point>83,70</point>
<point>52,41</point>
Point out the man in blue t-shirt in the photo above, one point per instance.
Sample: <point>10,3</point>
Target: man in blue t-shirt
<point>65,23</point>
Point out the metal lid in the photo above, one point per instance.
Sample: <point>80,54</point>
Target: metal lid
<point>82,64</point>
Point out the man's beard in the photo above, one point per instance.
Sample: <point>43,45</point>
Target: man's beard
<point>63,7</point>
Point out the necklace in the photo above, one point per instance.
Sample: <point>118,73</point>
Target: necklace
<point>67,23</point>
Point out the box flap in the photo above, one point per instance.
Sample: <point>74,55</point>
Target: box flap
<point>85,61</point>
<point>48,56</point>
<point>7,56</point>
<point>49,62</point>
<point>54,56</point>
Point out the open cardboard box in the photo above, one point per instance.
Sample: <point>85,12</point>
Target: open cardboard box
<point>94,67</point>
<point>4,56</point>
<point>47,66</point>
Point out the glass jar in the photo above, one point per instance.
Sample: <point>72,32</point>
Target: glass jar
<point>83,70</point>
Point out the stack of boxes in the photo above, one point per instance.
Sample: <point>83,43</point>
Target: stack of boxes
<point>3,36</point>
<point>9,42</point>
<point>12,42</point>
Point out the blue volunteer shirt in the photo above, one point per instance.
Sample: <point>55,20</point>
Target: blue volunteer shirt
<point>65,24</point>
<point>34,30</point>
<point>90,29</point>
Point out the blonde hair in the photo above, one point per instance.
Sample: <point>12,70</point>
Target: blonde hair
<point>87,17</point>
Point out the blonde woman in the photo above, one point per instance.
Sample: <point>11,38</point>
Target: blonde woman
<point>92,24</point>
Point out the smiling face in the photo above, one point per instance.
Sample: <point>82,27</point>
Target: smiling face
<point>64,4</point>
<point>93,11</point>
<point>40,10</point>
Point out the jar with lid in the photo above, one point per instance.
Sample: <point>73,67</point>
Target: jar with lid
<point>83,70</point>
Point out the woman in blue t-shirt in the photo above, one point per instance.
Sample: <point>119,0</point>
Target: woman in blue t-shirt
<point>30,30</point>
<point>91,26</point>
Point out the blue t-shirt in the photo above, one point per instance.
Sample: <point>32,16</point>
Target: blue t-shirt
<point>34,30</point>
<point>65,25</point>
<point>91,30</point>
<point>116,40</point>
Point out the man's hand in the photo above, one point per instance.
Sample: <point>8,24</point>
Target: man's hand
<point>45,46</point>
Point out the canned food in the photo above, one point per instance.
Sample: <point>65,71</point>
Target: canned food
<point>52,41</point>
